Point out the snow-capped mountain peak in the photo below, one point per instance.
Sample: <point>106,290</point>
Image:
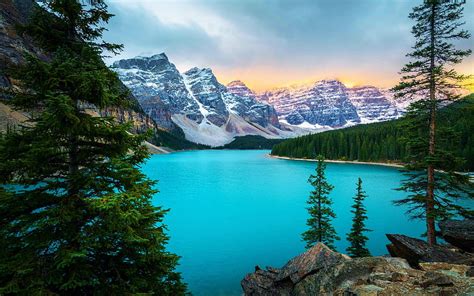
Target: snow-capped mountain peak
<point>207,111</point>
<point>211,113</point>
<point>239,88</point>
<point>330,103</point>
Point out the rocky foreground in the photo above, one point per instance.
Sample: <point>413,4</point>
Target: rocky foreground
<point>423,270</point>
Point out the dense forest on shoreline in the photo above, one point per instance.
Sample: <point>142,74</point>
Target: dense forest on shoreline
<point>251,142</point>
<point>382,142</point>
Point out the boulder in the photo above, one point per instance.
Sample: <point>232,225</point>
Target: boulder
<point>416,251</point>
<point>311,261</point>
<point>382,276</point>
<point>459,233</point>
<point>262,282</point>
<point>359,276</point>
<point>274,281</point>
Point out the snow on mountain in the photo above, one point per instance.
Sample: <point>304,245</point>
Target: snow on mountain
<point>244,101</point>
<point>373,105</point>
<point>324,103</point>
<point>206,110</point>
<point>154,77</point>
<point>239,88</point>
<point>330,104</point>
<point>211,113</point>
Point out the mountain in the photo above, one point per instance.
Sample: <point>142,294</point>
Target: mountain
<point>207,111</point>
<point>13,47</point>
<point>329,103</point>
<point>384,141</point>
<point>373,104</point>
<point>213,114</point>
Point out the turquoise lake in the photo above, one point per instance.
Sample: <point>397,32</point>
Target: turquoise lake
<point>232,210</point>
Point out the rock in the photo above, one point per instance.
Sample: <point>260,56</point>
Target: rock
<point>381,276</point>
<point>311,261</point>
<point>261,282</point>
<point>436,279</point>
<point>361,274</point>
<point>281,281</point>
<point>459,233</point>
<point>452,269</point>
<point>416,251</point>
<point>320,271</point>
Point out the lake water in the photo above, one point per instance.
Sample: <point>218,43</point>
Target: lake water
<point>232,210</point>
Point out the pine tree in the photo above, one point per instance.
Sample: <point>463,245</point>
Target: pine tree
<point>428,75</point>
<point>75,211</point>
<point>321,214</point>
<point>356,237</point>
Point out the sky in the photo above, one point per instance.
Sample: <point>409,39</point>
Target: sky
<point>272,43</point>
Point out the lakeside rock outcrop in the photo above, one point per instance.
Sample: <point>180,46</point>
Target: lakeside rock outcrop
<point>321,271</point>
<point>459,233</point>
<point>416,251</point>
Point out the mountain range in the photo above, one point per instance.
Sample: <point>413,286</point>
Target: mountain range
<point>214,114</point>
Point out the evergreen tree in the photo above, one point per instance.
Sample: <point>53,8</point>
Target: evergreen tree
<point>428,75</point>
<point>75,211</point>
<point>321,214</point>
<point>388,138</point>
<point>356,237</point>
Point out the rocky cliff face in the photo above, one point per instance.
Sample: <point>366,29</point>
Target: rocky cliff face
<point>330,103</point>
<point>207,111</point>
<point>245,103</point>
<point>13,46</point>
<point>155,80</point>
<point>208,95</point>
<point>372,104</point>
<point>199,104</point>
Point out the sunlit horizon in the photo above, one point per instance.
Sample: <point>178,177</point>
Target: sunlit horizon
<point>271,46</point>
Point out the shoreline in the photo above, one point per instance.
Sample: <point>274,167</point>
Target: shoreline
<point>394,165</point>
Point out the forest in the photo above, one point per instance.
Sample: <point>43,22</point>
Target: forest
<point>384,141</point>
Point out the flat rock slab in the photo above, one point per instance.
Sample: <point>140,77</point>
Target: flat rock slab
<point>459,233</point>
<point>416,250</point>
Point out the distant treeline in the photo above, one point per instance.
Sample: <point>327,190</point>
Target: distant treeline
<point>251,142</point>
<point>175,141</point>
<point>382,142</point>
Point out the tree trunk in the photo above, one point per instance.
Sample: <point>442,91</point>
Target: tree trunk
<point>320,238</point>
<point>430,219</point>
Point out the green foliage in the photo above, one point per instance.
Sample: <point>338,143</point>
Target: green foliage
<point>75,211</point>
<point>251,142</point>
<point>321,214</point>
<point>432,183</point>
<point>164,138</point>
<point>386,141</point>
<point>449,185</point>
<point>356,236</point>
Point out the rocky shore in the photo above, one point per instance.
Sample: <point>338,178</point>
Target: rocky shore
<point>415,268</point>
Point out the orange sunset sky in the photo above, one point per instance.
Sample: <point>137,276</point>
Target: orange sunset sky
<point>278,43</point>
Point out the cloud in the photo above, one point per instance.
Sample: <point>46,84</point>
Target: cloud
<point>282,39</point>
